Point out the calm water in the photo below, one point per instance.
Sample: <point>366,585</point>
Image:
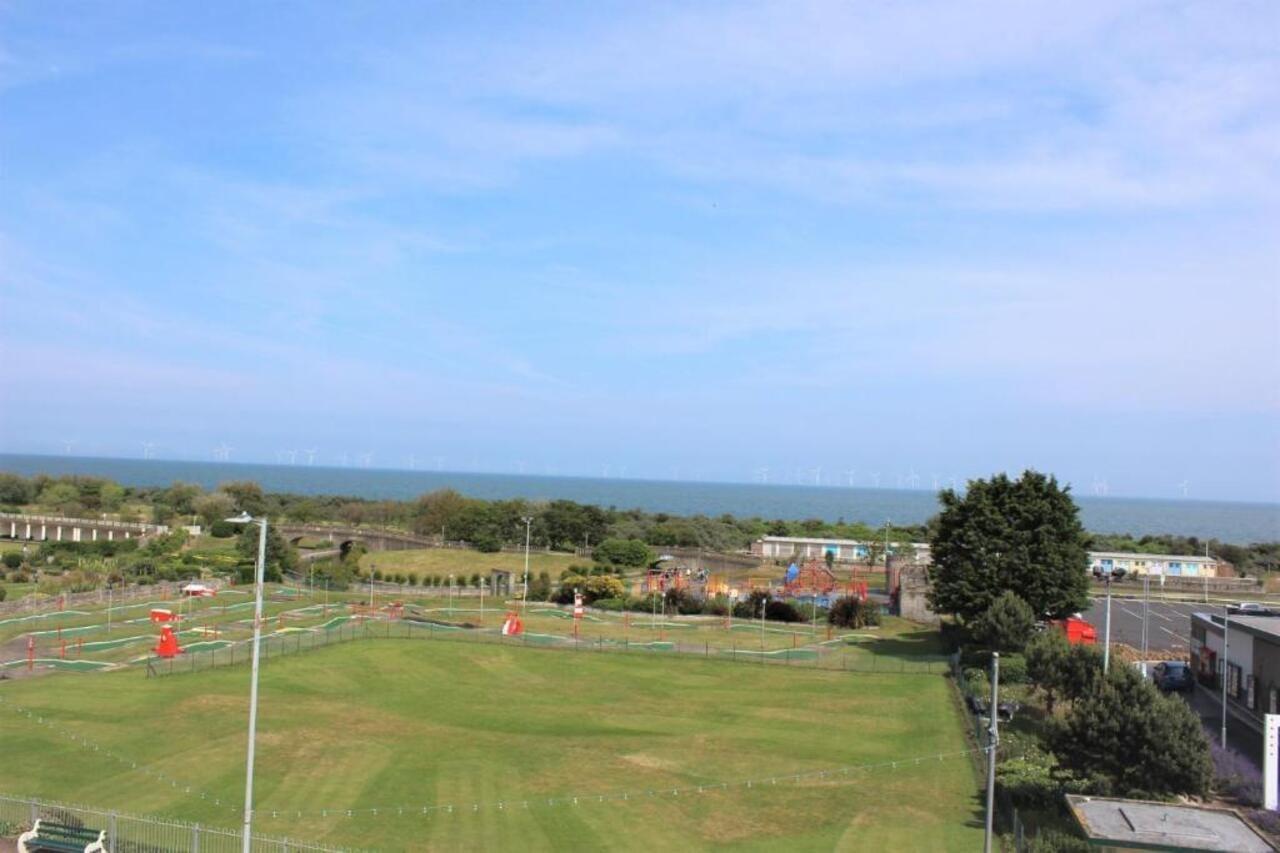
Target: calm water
<point>1230,522</point>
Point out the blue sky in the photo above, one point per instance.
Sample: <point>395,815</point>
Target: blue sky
<point>662,240</point>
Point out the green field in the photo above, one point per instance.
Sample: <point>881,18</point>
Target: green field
<point>406,724</point>
<point>464,563</point>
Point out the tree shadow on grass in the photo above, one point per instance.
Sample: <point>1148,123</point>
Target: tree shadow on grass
<point>911,644</point>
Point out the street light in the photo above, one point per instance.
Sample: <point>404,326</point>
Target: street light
<point>528,527</point>
<point>245,518</point>
<point>1226,663</point>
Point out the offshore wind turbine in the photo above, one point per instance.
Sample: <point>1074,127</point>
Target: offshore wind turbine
<point>913,479</point>
<point>68,444</point>
<point>876,477</point>
<point>1183,486</point>
<point>222,452</point>
<point>849,476</point>
<point>366,458</point>
<point>148,449</point>
<point>311,455</point>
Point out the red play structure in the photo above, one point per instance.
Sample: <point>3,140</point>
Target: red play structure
<point>168,646</point>
<point>813,578</point>
<point>511,625</point>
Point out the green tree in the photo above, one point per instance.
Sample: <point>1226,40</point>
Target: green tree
<point>1004,534</point>
<point>1006,625</point>
<point>851,612</point>
<point>623,552</point>
<point>438,512</point>
<point>15,490</point>
<point>214,507</point>
<point>111,496</point>
<point>60,496</point>
<point>246,495</point>
<point>1062,670</point>
<point>1145,744</point>
<point>281,556</point>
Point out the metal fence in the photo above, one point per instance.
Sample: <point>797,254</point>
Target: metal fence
<point>66,600</point>
<point>128,833</point>
<point>848,659</point>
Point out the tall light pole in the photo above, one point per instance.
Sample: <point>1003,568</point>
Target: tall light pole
<point>993,741</point>
<point>528,529</point>
<point>1106,632</point>
<point>245,518</point>
<point>1226,646</point>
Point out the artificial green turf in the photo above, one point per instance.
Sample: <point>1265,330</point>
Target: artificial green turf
<point>412,723</point>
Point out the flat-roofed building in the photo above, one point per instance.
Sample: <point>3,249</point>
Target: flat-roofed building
<point>1167,565</point>
<point>844,550</point>
<point>1115,824</point>
<point>1252,662</point>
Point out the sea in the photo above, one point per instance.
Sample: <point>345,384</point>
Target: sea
<point>1235,522</point>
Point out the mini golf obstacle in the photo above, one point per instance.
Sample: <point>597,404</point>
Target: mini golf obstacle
<point>512,624</point>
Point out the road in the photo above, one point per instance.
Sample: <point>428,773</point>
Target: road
<point>1168,623</point>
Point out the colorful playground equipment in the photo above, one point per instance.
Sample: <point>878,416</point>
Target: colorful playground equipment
<point>160,615</point>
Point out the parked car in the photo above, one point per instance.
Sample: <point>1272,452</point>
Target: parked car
<point>1251,608</point>
<point>1171,675</point>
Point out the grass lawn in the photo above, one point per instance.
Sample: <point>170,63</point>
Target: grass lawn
<point>389,723</point>
<point>445,561</point>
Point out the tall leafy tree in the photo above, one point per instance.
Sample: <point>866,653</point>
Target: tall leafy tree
<point>1022,535</point>
<point>1145,744</point>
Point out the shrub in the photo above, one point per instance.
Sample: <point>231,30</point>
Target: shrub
<point>1057,841</point>
<point>611,604</point>
<point>487,543</point>
<point>852,612</point>
<point>223,529</point>
<point>1013,669</point>
<point>12,559</point>
<point>4,593</point>
<point>682,601</point>
<point>623,552</point>
<point>718,606</point>
<point>782,611</point>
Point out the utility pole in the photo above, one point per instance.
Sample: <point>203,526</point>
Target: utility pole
<point>1146,592</point>
<point>528,527</point>
<point>1106,633</point>
<point>993,740</point>
<point>1226,647</point>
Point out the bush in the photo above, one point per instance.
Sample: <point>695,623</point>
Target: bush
<point>487,543</point>
<point>4,593</point>
<point>1057,841</point>
<point>852,612</point>
<point>623,552</point>
<point>223,529</point>
<point>682,601</point>
<point>12,559</point>
<point>615,605</point>
<point>1013,669</point>
<point>782,611</point>
<point>718,606</point>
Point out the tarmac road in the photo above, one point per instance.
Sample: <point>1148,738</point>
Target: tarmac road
<point>1168,623</point>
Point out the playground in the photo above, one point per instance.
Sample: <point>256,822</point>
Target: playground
<point>399,744</point>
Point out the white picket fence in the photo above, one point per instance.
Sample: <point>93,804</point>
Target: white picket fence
<point>128,833</point>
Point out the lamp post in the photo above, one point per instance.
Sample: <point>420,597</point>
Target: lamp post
<point>1106,631</point>
<point>245,518</point>
<point>528,528</point>
<point>1226,663</point>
